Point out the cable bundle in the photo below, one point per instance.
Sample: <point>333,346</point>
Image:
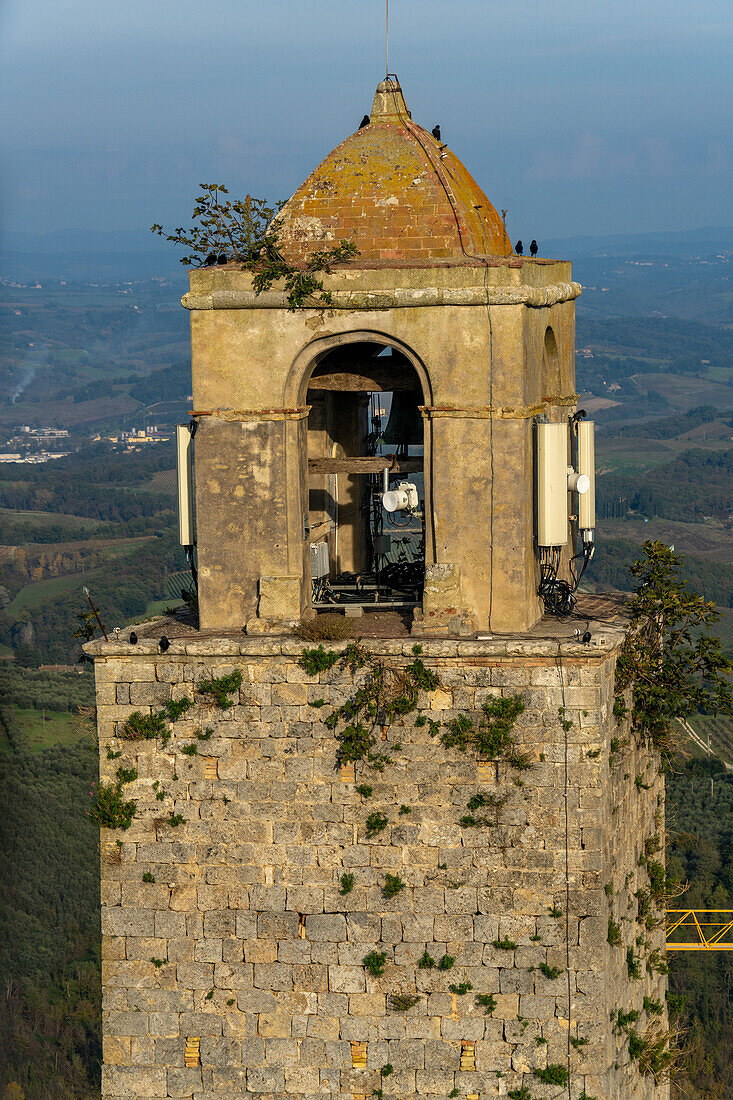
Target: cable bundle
<point>558,595</point>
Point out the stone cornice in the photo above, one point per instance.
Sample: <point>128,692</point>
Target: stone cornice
<point>536,297</point>
<point>542,645</point>
<point>489,412</point>
<point>242,415</point>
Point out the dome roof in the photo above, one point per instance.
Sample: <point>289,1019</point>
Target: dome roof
<point>397,192</point>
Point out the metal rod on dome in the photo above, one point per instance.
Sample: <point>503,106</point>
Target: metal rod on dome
<point>387,43</point>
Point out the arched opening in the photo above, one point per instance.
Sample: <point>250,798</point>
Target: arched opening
<point>366,479</point>
<point>552,363</point>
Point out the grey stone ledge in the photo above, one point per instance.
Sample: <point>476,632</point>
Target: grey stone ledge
<point>398,298</point>
<point>234,645</point>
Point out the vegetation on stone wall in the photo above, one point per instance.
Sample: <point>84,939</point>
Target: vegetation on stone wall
<point>218,689</point>
<point>247,231</point>
<point>109,809</point>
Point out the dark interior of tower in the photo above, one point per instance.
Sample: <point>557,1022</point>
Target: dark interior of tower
<point>366,479</point>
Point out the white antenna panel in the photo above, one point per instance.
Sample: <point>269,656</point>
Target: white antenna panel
<point>587,466</point>
<point>184,459</point>
<point>552,484</point>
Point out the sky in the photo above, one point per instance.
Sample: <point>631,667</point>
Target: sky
<point>578,116</point>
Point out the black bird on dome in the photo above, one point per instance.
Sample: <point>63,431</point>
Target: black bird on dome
<point>364,122</point>
<point>533,248</point>
<point>436,132</point>
<point>519,248</point>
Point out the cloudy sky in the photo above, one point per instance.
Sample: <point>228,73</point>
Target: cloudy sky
<point>579,116</point>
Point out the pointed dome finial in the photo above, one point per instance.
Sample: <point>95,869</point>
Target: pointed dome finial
<point>389,103</point>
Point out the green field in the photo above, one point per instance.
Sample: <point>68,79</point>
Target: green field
<point>628,457</point>
<point>51,517</point>
<point>43,729</point>
<point>36,593</point>
<point>707,540</point>
<point>632,456</point>
<point>155,608</point>
<point>687,391</point>
<point>719,374</point>
<point>164,481</point>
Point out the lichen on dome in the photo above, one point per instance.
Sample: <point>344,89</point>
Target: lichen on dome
<point>397,192</point>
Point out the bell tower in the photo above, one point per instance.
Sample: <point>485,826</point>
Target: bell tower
<point>426,862</point>
<point>475,346</point>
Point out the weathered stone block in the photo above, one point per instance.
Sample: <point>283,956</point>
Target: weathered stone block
<point>147,693</point>
<point>279,600</point>
<point>131,1081</point>
<point>262,1079</point>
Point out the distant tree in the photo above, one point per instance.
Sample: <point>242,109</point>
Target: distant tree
<point>13,1092</point>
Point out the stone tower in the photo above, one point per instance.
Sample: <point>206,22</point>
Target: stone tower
<point>418,866</point>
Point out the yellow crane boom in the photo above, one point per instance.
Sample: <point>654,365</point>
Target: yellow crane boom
<point>700,930</point>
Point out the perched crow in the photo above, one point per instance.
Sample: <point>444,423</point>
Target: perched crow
<point>533,248</point>
<point>436,132</point>
<point>164,644</point>
<point>210,260</point>
<point>519,248</point>
<point>364,122</point>
<point>222,258</point>
<point>133,638</point>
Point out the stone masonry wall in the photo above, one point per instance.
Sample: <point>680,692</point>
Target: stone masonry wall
<point>258,987</point>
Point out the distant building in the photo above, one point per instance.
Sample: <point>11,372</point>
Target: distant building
<point>34,457</point>
<point>48,433</point>
<point>136,438</point>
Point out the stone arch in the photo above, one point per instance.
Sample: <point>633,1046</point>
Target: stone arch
<point>296,396</point>
<point>308,358</point>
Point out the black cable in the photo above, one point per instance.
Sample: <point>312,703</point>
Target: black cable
<point>567,852</point>
<point>192,566</point>
<point>586,554</point>
<point>557,595</point>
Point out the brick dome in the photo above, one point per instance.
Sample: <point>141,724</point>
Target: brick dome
<point>394,190</point>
